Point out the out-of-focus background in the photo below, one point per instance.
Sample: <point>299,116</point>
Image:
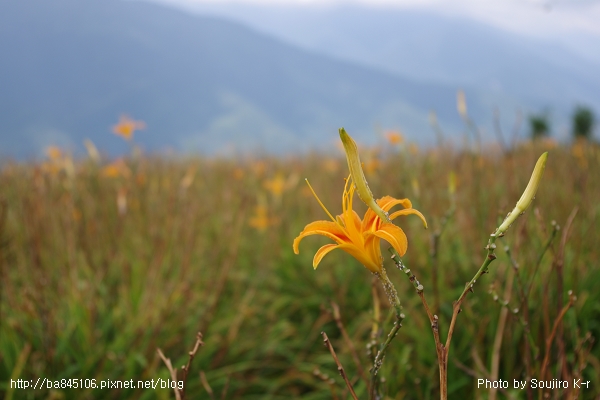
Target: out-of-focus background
<point>152,165</point>
<point>281,76</point>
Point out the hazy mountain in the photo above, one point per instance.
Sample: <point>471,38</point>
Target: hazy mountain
<point>69,68</point>
<point>501,68</point>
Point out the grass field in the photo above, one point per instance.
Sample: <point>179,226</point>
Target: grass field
<point>103,263</point>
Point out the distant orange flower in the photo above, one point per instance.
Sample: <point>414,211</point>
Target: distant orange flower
<point>331,165</point>
<point>261,220</point>
<point>58,161</point>
<point>394,137</point>
<point>115,169</point>
<point>276,185</point>
<point>371,166</point>
<point>238,173</point>
<point>127,126</point>
<point>54,153</point>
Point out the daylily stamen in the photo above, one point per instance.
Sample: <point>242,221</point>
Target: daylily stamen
<point>320,202</point>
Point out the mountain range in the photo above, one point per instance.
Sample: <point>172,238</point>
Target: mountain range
<point>210,83</point>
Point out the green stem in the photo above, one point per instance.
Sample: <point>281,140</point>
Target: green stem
<point>433,319</point>
<point>392,295</point>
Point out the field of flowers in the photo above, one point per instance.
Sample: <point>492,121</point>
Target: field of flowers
<point>103,261</point>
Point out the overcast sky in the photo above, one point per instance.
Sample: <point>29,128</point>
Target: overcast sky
<point>544,18</point>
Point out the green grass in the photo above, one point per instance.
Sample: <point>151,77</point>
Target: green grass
<point>90,293</point>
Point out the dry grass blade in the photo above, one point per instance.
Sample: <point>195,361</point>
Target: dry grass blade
<point>339,365</point>
<point>206,385</point>
<point>338,320</point>
<point>550,338</point>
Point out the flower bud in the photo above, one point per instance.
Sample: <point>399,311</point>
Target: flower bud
<point>358,177</point>
<point>528,194</point>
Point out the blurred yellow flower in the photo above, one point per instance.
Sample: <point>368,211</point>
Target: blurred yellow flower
<point>394,137</point>
<point>261,220</point>
<point>371,165</point>
<point>276,185</point>
<point>54,153</point>
<point>360,238</point>
<point>127,126</point>
<point>115,169</point>
<point>238,173</point>
<point>416,187</point>
<point>51,168</point>
<point>57,162</point>
<point>331,165</point>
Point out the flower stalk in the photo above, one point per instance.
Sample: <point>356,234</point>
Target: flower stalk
<point>394,300</point>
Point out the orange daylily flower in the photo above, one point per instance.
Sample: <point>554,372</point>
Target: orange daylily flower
<point>360,238</point>
<point>276,185</point>
<point>127,126</point>
<point>394,137</point>
<point>261,220</point>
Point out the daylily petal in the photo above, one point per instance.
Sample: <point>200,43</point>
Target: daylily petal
<point>325,228</point>
<point>409,211</point>
<point>369,221</point>
<point>365,258</point>
<point>322,252</point>
<point>394,236</point>
<point>372,246</point>
<point>388,202</point>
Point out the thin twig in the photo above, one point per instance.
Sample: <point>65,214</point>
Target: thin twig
<point>498,129</point>
<point>495,364</point>
<point>558,264</point>
<point>433,319</point>
<point>186,368</point>
<point>206,386</point>
<point>180,393</point>
<point>172,372</point>
<point>540,257</point>
<point>516,129</point>
<point>550,339</point>
<point>434,252</point>
<point>491,256</point>
<point>225,388</point>
<point>338,320</point>
<point>339,365</point>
